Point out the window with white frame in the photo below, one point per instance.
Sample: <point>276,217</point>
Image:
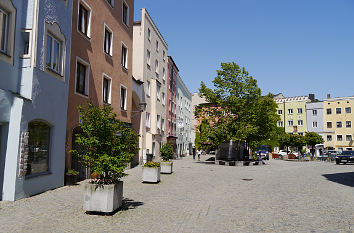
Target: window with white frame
<point>169,105</point>
<point>157,46</point>
<point>339,124</point>
<point>148,88</point>
<point>339,138</point>
<point>348,110</point>
<point>106,90</point>
<point>163,74</point>
<point>348,124</point>
<point>124,56</point>
<point>280,112</point>
<point>147,120</point>
<point>123,98</point>
<point>26,36</point>
<point>158,123</point>
<point>163,124</point>
<point>338,110</point>
<point>300,122</point>
<point>111,2</point>
<point>329,137</point>
<point>149,34</point>
<point>290,111</point>
<point>108,41</point>
<point>348,137</point>
<point>163,55</point>
<point>314,124</point>
<point>163,99</point>
<point>329,111</point>
<point>299,111</point>
<point>156,66</point>
<point>329,124</point>
<point>54,54</point>
<point>84,19</point>
<point>314,112</point>
<point>290,123</point>
<point>280,123</point>
<point>82,77</point>
<point>125,13</point>
<point>302,134</point>
<point>148,58</point>
<point>158,91</point>
<point>4,28</point>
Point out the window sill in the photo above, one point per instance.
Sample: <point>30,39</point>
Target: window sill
<point>84,35</point>
<point>111,5</point>
<point>38,174</point>
<point>124,68</point>
<point>5,54</point>
<point>148,66</point>
<point>82,95</point>
<point>50,70</point>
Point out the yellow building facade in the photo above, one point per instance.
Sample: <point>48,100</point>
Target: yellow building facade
<point>292,112</point>
<point>338,120</point>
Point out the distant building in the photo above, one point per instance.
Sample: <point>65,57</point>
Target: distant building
<point>338,120</point>
<point>315,117</point>
<point>292,112</point>
<point>196,101</point>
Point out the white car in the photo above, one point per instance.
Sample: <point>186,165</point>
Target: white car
<point>282,152</point>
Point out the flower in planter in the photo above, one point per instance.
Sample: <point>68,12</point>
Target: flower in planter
<point>152,164</point>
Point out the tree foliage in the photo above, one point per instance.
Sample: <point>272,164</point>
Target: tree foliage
<point>106,144</point>
<point>166,151</point>
<point>237,111</point>
<point>312,139</point>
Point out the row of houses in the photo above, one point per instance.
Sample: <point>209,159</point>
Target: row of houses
<point>331,118</point>
<point>58,54</point>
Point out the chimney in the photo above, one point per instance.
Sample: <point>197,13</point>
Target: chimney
<point>328,96</point>
<point>312,97</point>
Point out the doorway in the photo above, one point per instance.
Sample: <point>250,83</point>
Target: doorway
<point>3,142</point>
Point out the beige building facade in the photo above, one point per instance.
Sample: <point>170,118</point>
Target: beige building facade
<point>150,61</point>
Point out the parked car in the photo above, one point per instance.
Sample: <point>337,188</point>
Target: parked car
<point>346,156</point>
<point>283,152</point>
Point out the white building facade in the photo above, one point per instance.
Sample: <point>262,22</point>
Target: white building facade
<point>150,52</point>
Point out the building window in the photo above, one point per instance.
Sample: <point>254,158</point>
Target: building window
<point>339,124</point>
<point>125,14</point>
<point>106,92</point>
<point>348,110</point>
<point>156,66</point>
<point>163,74</point>
<point>314,112</point>
<point>290,111</point>
<point>124,56</point>
<point>302,134</point>
<point>84,19</point>
<point>329,125</point>
<point>299,111</point>
<point>4,28</point>
<point>329,137</point>
<point>299,122</point>
<point>280,112</point>
<point>163,99</point>
<point>54,54</point>
<point>338,110</point>
<point>147,120</point>
<point>123,98</point>
<point>163,55</point>
<point>38,147</point>
<point>26,36</point>
<point>148,87</point>
<point>82,77</point>
<point>329,111</point>
<point>149,34</point>
<point>163,124</point>
<point>339,138</point>
<point>148,56</point>
<point>348,137</point>
<point>290,123</point>
<point>348,124</point>
<point>280,124</point>
<point>157,46</point>
<point>111,2</point>
<point>158,123</point>
<point>108,41</point>
<point>158,91</point>
<point>314,124</point>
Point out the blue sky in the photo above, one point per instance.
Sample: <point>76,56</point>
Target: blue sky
<point>294,47</point>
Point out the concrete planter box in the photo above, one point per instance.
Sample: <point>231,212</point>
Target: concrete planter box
<point>166,167</point>
<point>103,198</point>
<point>151,174</point>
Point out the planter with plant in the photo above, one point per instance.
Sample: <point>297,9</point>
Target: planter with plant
<point>71,177</point>
<point>166,153</point>
<point>107,145</point>
<point>151,172</point>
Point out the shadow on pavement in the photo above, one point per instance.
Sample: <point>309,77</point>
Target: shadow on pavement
<point>346,178</point>
<point>127,204</point>
<point>210,160</point>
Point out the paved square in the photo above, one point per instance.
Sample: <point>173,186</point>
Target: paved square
<point>200,197</point>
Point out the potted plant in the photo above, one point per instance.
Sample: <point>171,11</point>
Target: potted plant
<point>151,172</point>
<point>71,177</point>
<point>107,145</point>
<point>166,153</point>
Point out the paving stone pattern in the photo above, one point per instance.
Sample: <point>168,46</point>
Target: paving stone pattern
<point>282,196</point>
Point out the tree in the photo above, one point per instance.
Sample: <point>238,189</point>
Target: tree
<point>238,112</point>
<point>166,151</point>
<point>312,139</point>
<point>107,144</point>
<point>297,141</point>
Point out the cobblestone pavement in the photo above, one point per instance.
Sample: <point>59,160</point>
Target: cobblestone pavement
<point>282,196</point>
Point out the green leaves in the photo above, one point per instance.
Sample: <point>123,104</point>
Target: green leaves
<point>166,151</point>
<point>106,144</point>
